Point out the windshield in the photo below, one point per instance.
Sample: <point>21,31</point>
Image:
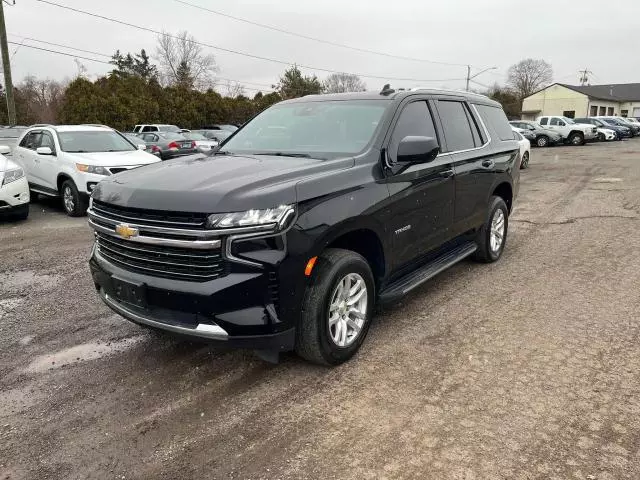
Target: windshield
<point>568,120</point>
<point>319,129</point>
<point>195,136</point>
<point>93,141</point>
<point>168,128</point>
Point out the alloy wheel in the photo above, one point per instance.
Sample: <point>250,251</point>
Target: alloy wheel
<point>497,231</point>
<point>67,197</point>
<point>347,310</point>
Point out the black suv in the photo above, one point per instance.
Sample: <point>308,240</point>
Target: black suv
<point>312,212</point>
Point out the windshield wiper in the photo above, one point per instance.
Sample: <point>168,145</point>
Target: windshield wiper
<point>284,154</point>
<point>221,152</point>
<point>76,151</point>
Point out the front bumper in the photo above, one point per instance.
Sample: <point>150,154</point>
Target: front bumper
<point>14,194</point>
<point>235,310</point>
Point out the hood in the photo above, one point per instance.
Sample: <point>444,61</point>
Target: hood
<point>214,184</point>
<point>7,164</point>
<point>113,159</point>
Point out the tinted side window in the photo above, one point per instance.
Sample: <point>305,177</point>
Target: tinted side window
<point>496,117</point>
<point>31,141</point>
<point>47,141</point>
<point>415,120</point>
<point>455,124</point>
<point>543,121</point>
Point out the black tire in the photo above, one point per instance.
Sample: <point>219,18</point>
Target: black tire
<point>485,253</point>
<point>542,141</point>
<point>77,207</point>
<point>313,336</point>
<point>525,161</point>
<point>601,137</point>
<point>576,138</point>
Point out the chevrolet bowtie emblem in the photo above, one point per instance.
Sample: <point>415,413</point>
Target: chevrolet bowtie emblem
<point>125,231</point>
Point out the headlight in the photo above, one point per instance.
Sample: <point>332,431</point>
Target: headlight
<point>12,175</point>
<point>277,215</point>
<point>92,169</point>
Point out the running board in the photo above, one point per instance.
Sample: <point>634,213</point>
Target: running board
<point>405,284</point>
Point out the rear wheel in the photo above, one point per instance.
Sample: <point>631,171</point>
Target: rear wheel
<point>74,204</point>
<point>601,137</point>
<point>542,141</point>
<point>576,138</point>
<point>525,161</point>
<point>337,308</point>
<point>492,237</point>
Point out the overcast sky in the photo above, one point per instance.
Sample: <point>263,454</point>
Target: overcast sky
<point>571,35</point>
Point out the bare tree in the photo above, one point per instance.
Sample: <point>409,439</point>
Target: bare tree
<point>234,89</point>
<point>343,82</point>
<point>42,99</point>
<point>529,75</point>
<point>183,61</point>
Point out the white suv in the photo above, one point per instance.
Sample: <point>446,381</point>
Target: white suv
<point>571,132</point>
<point>70,160</point>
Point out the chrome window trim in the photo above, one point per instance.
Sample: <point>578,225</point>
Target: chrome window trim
<point>484,127</point>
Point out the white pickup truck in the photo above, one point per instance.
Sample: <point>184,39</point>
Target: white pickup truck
<point>572,132</point>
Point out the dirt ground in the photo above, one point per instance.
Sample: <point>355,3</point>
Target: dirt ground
<point>524,369</point>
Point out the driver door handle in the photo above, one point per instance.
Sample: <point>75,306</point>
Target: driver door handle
<point>488,163</point>
<point>446,173</point>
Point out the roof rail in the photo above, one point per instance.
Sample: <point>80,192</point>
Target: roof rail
<point>450,90</point>
<point>94,125</point>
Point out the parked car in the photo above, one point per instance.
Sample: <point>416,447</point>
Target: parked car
<point>166,145</point>
<point>69,160</point>
<point>525,149</point>
<point>156,127</point>
<point>203,144</point>
<point>287,242</point>
<point>227,127</point>
<point>633,120</point>
<point>620,131</point>
<point>543,136</point>
<point>216,135</point>
<point>524,133</point>
<point>572,132</point>
<point>136,140</point>
<point>635,129</point>
<point>14,189</point>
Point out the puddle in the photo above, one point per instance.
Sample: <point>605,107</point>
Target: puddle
<point>27,278</point>
<point>607,180</point>
<point>80,353</point>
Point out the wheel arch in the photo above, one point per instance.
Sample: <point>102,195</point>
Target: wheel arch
<point>504,191</point>
<point>62,177</point>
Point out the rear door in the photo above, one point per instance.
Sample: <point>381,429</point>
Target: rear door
<point>421,196</point>
<point>473,160</point>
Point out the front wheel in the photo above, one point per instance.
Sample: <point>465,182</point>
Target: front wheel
<point>542,141</point>
<point>601,137</point>
<point>525,161</point>
<point>74,204</point>
<point>337,308</point>
<point>492,236</point>
<point>576,139</point>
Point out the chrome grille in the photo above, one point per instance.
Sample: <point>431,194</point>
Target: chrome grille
<point>156,218</point>
<point>161,261</point>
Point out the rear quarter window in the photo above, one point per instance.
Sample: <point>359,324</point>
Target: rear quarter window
<point>495,118</point>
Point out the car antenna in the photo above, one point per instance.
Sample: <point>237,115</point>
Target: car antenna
<point>387,90</point>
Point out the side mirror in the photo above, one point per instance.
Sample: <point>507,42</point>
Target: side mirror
<point>44,151</point>
<point>5,150</point>
<point>414,149</point>
<point>142,146</point>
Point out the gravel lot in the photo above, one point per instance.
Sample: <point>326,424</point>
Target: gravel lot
<point>524,369</point>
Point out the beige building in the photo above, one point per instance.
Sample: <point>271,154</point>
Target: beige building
<point>570,101</point>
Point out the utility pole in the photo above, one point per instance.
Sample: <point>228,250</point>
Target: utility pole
<point>468,76</point>
<point>584,76</point>
<point>6,64</point>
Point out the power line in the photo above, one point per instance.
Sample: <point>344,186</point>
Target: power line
<point>60,53</point>
<point>109,63</point>
<point>315,39</point>
<point>60,45</point>
<point>237,52</point>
